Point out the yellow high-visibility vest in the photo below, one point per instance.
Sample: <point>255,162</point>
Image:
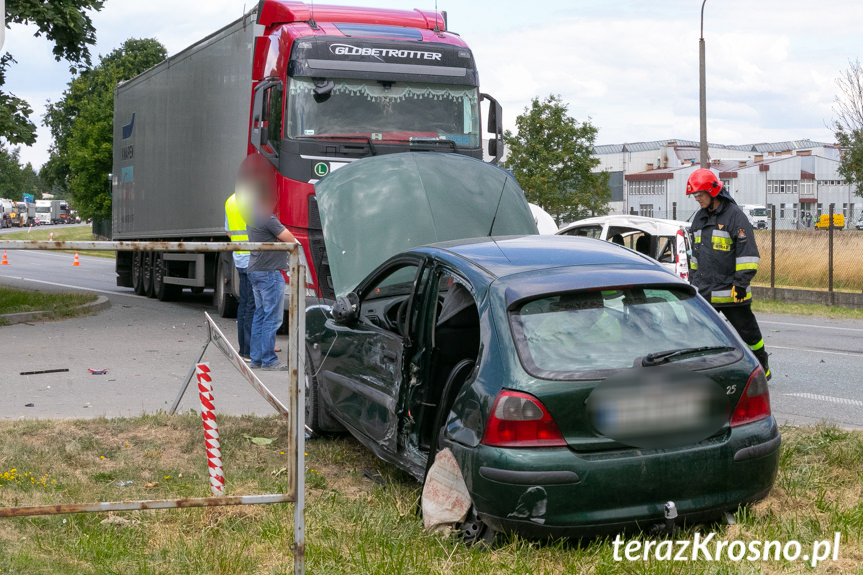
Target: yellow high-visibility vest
<point>236,223</point>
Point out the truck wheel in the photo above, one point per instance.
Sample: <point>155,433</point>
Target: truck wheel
<point>147,274</point>
<point>225,303</point>
<point>161,290</point>
<point>138,272</point>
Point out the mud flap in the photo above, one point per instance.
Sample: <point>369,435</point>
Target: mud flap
<point>445,499</point>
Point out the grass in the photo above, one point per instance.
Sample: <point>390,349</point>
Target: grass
<point>354,525</point>
<point>61,233</point>
<point>58,305</point>
<point>760,305</point>
<point>802,259</point>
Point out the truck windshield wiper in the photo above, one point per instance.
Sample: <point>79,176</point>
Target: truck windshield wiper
<point>660,357</point>
<point>418,140</point>
<point>363,138</point>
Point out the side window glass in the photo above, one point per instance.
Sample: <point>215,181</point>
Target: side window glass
<point>586,231</point>
<point>273,112</point>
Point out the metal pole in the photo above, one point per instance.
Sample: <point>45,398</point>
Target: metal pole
<point>190,375</point>
<point>830,257</point>
<point>773,248</point>
<point>297,404</point>
<point>702,92</point>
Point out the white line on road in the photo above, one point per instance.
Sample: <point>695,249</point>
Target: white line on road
<point>810,325</point>
<point>829,398</point>
<point>852,354</point>
<point>71,286</point>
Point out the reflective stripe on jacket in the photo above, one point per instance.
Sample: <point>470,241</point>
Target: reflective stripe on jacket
<point>724,253</point>
<point>236,223</point>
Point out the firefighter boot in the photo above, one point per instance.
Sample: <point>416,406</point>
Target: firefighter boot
<point>761,354</point>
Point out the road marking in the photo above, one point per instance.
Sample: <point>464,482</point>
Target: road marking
<point>829,398</point>
<point>71,286</point>
<point>852,353</point>
<point>811,325</point>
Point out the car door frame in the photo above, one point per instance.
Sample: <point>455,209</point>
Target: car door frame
<point>356,373</point>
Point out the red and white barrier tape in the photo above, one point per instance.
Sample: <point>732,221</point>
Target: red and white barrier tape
<point>211,429</point>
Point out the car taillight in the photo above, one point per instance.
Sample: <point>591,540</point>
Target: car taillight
<point>520,420</point>
<point>754,404</point>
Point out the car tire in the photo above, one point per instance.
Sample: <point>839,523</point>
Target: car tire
<point>224,302</point>
<point>317,418</point>
<point>475,532</point>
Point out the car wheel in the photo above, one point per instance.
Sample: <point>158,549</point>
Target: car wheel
<point>317,419</point>
<point>224,302</point>
<point>138,272</point>
<point>476,532</point>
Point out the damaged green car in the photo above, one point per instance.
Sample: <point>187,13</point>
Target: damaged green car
<point>578,387</point>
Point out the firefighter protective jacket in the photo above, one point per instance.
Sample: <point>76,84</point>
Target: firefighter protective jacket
<point>724,253</point>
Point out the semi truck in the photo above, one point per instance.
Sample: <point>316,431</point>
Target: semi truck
<point>309,88</point>
<point>23,214</point>
<point>48,211</point>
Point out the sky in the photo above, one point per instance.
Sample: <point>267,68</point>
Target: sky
<point>629,66</point>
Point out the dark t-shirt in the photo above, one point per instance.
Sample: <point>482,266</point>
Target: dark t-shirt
<point>267,230</point>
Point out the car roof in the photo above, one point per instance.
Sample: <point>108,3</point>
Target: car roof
<point>501,257</point>
<point>655,226</point>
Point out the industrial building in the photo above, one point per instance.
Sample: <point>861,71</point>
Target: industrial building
<point>798,177</point>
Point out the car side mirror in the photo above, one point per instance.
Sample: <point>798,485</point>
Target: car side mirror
<point>347,309</point>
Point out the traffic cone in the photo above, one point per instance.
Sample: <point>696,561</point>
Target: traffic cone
<point>5,262</point>
<point>76,262</point>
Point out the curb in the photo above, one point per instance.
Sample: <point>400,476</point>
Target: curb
<point>101,303</point>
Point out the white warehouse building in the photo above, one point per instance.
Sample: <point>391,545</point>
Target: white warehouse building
<point>799,178</point>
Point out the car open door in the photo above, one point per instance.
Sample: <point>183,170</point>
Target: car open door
<point>363,374</point>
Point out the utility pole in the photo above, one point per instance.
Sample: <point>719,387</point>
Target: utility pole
<point>702,96</point>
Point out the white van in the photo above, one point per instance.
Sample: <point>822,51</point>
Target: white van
<point>759,216</point>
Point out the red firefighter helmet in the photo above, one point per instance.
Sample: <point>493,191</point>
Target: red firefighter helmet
<point>703,180</point>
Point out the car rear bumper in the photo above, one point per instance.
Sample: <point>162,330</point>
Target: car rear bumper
<point>558,492</point>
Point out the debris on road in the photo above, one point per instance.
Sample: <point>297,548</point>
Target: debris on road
<point>29,405</point>
<point>41,371</point>
<point>97,371</point>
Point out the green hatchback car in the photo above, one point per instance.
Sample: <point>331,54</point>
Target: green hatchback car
<point>580,388</point>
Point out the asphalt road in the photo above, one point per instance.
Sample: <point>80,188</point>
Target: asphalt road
<point>148,346</point>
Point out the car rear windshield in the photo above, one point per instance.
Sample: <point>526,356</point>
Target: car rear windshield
<point>568,333</point>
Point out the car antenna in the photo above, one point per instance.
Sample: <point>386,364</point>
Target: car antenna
<point>436,25</point>
<point>496,209</point>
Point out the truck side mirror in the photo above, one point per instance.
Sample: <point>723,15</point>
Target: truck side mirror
<point>259,137</point>
<point>347,309</point>
<point>494,128</point>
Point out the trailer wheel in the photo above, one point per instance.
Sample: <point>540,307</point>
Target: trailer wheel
<point>138,273</point>
<point>147,274</point>
<point>225,303</point>
<point>161,290</point>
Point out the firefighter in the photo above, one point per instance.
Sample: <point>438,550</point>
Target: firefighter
<point>725,258</point>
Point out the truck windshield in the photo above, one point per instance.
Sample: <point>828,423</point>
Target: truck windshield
<point>385,111</point>
<point>759,212</point>
<point>43,209</point>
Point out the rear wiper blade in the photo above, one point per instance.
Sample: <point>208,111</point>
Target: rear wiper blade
<point>659,357</point>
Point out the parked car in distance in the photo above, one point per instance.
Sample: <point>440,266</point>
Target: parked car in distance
<point>666,241</point>
<point>859,223</point>
<point>578,386</point>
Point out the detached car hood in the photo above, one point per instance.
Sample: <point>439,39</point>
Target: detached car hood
<point>377,207</point>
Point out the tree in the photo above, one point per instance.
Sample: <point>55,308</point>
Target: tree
<point>81,124</point>
<point>848,124</point>
<point>17,180</point>
<point>551,156</point>
<point>65,23</point>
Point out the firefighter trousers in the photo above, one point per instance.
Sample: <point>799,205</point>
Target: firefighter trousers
<point>743,320</point>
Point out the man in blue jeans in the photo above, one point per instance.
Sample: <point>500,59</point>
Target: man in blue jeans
<point>235,224</point>
<point>268,284</point>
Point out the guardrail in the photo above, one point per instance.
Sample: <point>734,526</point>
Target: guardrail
<point>294,411</point>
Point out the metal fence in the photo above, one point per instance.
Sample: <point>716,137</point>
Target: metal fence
<point>810,258</point>
<point>294,411</point>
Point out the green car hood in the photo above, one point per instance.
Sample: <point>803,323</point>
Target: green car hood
<point>377,207</point>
